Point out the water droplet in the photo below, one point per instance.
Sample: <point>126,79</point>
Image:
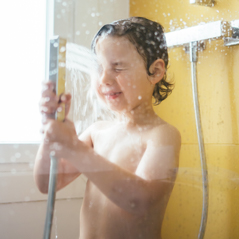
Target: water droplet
<point>47,99</point>
<point>93,14</point>
<point>17,155</point>
<point>87,32</point>
<point>140,97</point>
<point>52,153</point>
<point>27,199</point>
<point>100,23</point>
<point>78,33</point>
<point>63,49</point>
<point>62,64</point>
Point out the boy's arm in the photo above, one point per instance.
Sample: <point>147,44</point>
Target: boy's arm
<point>134,192</point>
<point>66,171</point>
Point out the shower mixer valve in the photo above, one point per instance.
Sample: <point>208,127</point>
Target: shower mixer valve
<point>207,3</point>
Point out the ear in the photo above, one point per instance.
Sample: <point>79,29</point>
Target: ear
<point>158,70</point>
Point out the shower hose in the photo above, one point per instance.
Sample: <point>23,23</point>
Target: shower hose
<point>193,60</point>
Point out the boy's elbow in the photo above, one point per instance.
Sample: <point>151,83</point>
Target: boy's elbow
<point>41,185</point>
<point>43,190</point>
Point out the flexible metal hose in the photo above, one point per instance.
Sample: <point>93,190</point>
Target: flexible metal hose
<point>193,59</point>
<point>51,198</point>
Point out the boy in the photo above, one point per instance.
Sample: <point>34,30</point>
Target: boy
<point>131,164</point>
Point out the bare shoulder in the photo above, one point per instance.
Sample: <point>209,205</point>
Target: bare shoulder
<point>164,134</point>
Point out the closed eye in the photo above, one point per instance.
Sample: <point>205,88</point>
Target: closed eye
<point>120,69</point>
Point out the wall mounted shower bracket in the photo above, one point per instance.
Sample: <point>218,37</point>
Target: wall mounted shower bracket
<point>201,46</point>
<point>206,3</point>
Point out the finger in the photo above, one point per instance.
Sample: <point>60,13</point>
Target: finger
<point>48,110</point>
<point>65,98</point>
<point>48,85</point>
<point>48,90</point>
<point>47,102</point>
<point>48,93</point>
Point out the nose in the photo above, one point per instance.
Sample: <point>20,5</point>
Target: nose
<point>106,78</point>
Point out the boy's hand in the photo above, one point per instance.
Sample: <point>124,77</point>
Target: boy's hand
<point>63,133</point>
<point>50,103</point>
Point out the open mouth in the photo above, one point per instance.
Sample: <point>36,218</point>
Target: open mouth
<point>113,95</point>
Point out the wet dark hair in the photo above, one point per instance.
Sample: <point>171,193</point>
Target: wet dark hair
<point>149,39</point>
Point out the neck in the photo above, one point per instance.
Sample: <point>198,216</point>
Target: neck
<point>138,116</point>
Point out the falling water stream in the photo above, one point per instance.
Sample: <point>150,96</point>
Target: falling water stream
<point>80,69</point>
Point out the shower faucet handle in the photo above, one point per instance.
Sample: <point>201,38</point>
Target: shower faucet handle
<point>206,3</point>
<point>234,38</point>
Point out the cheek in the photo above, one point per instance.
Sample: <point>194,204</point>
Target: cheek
<point>126,81</point>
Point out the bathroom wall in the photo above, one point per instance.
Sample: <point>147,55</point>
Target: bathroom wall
<point>22,206</point>
<point>218,82</point>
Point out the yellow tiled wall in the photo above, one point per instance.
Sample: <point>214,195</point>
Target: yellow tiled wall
<point>218,83</point>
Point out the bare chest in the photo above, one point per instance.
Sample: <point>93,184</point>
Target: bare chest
<point>120,147</point>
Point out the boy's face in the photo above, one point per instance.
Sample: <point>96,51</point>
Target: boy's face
<point>122,82</point>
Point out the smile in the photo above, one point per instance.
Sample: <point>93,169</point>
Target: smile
<point>113,95</point>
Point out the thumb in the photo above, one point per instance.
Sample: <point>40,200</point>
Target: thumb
<point>66,99</point>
